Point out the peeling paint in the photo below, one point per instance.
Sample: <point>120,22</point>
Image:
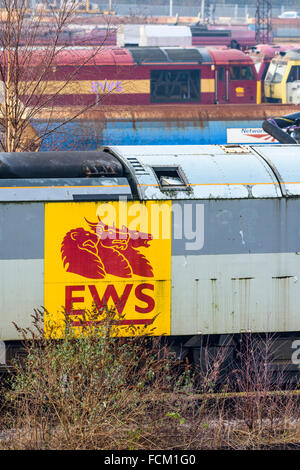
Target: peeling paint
<point>242,236</point>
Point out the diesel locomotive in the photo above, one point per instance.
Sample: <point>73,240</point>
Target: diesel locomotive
<point>133,76</point>
<point>195,241</point>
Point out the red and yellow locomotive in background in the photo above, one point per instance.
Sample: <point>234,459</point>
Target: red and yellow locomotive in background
<point>145,76</point>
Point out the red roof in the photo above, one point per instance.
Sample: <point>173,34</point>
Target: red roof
<point>77,56</point>
<point>93,56</point>
<point>230,55</point>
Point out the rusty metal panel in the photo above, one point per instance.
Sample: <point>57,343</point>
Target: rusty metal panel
<point>243,272</point>
<point>167,112</point>
<point>235,293</point>
<point>150,124</point>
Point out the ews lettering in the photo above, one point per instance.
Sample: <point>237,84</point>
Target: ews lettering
<point>107,86</point>
<point>144,303</point>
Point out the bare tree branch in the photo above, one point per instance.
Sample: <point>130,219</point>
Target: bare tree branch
<point>27,72</point>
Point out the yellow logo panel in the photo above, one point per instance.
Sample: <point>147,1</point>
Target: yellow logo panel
<point>239,91</point>
<point>113,255</point>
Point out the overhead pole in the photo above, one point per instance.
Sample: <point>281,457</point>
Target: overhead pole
<point>202,10</point>
<point>207,12</point>
<point>263,21</point>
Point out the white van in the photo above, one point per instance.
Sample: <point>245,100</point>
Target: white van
<point>289,14</point>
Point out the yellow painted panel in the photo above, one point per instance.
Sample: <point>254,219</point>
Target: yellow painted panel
<point>267,88</point>
<point>258,92</point>
<point>85,87</point>
<point>207,85</point>
<point>239,91</point>
<point>115,253</point>
<point>278,91</point>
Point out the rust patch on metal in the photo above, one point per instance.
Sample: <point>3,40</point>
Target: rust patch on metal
<point>234,148</point>
<point>241,278</point>
<point>199,114</point>
<point>283,277</point>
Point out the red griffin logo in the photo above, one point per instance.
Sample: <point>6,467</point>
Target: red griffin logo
<point>106,250</point>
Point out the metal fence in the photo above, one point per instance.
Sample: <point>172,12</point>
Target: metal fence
<point>235,11</point>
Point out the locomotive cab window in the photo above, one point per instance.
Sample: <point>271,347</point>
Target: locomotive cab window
<point>279,72</point>
<point>243,72</point>
<point>221,74</point>
<point>175,86</point>
<point>294,74</point>
<point>170,177</point>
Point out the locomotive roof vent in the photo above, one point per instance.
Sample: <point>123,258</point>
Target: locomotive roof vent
<point>234,148</point>
<point>118,52</point>
<point>170,177</point>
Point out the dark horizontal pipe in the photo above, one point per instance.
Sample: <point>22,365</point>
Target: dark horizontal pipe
<point>59,165</point>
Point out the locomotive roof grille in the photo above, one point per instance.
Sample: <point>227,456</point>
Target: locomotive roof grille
<point>199,32</point>
<point>166,55</point>
<point>148,54</point>
<point>184,55</point>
